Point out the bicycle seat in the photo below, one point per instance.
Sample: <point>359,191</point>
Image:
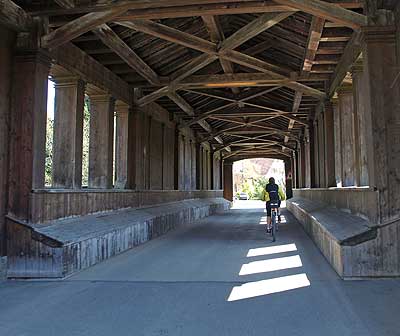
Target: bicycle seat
<point>274,205</point>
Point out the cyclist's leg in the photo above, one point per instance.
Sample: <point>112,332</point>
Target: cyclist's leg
<point>268,208</point>
<point>279,211</point>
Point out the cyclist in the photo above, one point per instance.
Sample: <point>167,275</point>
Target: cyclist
<point>272,193</point>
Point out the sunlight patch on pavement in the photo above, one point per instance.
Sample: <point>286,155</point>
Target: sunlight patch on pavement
<point>270,286</point>
<point>271,250</point>
<point>270,265</point>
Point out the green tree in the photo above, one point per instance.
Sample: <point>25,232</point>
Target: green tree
<point>49,153</point>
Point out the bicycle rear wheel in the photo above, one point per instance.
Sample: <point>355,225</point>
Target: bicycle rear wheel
<point>273,218</point>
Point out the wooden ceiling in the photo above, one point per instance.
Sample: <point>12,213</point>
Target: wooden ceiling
<point>245,75</point>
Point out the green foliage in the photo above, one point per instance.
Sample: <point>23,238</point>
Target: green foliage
<point>49,152</point>
<point>86,131</point>
<point>260,184</point>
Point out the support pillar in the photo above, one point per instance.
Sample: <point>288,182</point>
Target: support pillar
<point>330,180</point>
<point>194,165</point>
<point>289,178</point>
<point>198,166</point>
<point>211,165</point>
<point>28,128</point>
<point>359,82</point>
<point>68,132</point>
<point>308,158</point>
<point>121,144</point>
<point>101,141</point>
<point>382,92</point>
<point>6,60</point>
<point>228,181</point>
<point>346,107</point>
<point>337,122</point>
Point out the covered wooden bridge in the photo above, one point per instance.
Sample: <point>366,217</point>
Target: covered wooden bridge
<point>178,91</point>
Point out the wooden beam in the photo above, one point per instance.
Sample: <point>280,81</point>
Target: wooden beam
<point>328,11</point>
<point>114,42</point>
<point>196,64</point>
<point>92,20</point>
<point>252,29</point>
<point>254,63</point>
<point>188,109</point>
<point>176,36</point>
<point>171,34</point>
<point>65,3</point>
<point>349,57</point>
<point>187,9</point>
<point>14,17</point>
<point>78,27</point>
<point>314,38</point>
<point>182,103</point>
<point>217,35</point>
<point>78,62</point>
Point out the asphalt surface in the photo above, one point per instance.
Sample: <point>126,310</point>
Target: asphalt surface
<point>223,276</point>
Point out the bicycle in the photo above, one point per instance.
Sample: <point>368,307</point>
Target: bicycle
<point>274,222</point>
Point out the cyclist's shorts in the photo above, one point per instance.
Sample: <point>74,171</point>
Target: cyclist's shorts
<point>268,207</point>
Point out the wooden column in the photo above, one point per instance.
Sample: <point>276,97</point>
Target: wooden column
<point>68,132</point>
<point>346,107</point>
<point>101,141</point>
<point>212,169</point>
<point>337,124</point>
<point>7,40</point>
<point>199,171</point>
<point>132,153</point>
<point>228,181</point>
<point>176,159</point>
<point>308,158</point>
<point>289,178</point>
<point>359,83</point>
<point>330,180</point>
<point>121,144</point>
<point>194,164</point>
<point>28,128</point>
<point>382,92</point>
<point>302,165</point>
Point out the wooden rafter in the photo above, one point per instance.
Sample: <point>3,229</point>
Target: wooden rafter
<point>188,109</point>
<point>217,35</point>
<point>252,29</point>
<point>13,16</point>
<point>210,48</point>
<point>114,42</point>
<point>328,11</point>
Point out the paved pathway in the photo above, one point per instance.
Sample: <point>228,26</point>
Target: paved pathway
<point>220,277</point>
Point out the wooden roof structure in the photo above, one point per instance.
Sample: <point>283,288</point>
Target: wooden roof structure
<point>246,75</point>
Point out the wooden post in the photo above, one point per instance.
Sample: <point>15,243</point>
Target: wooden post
<point>101,141</point>
<point>28,128</point>
<point>346,107</point>
<point>359,82</point>
<point>329,146</point>
<point>212,169</point>
<point>7,40</point>
<point>199,170</point>
<point>228,181</point>
<point>337,121</point>
<point>121,144</point>
<point>382,92</point>
<point>68,132</point>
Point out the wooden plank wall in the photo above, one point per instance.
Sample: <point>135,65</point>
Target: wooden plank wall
<point>48,205</point>
<point>359,201</point>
